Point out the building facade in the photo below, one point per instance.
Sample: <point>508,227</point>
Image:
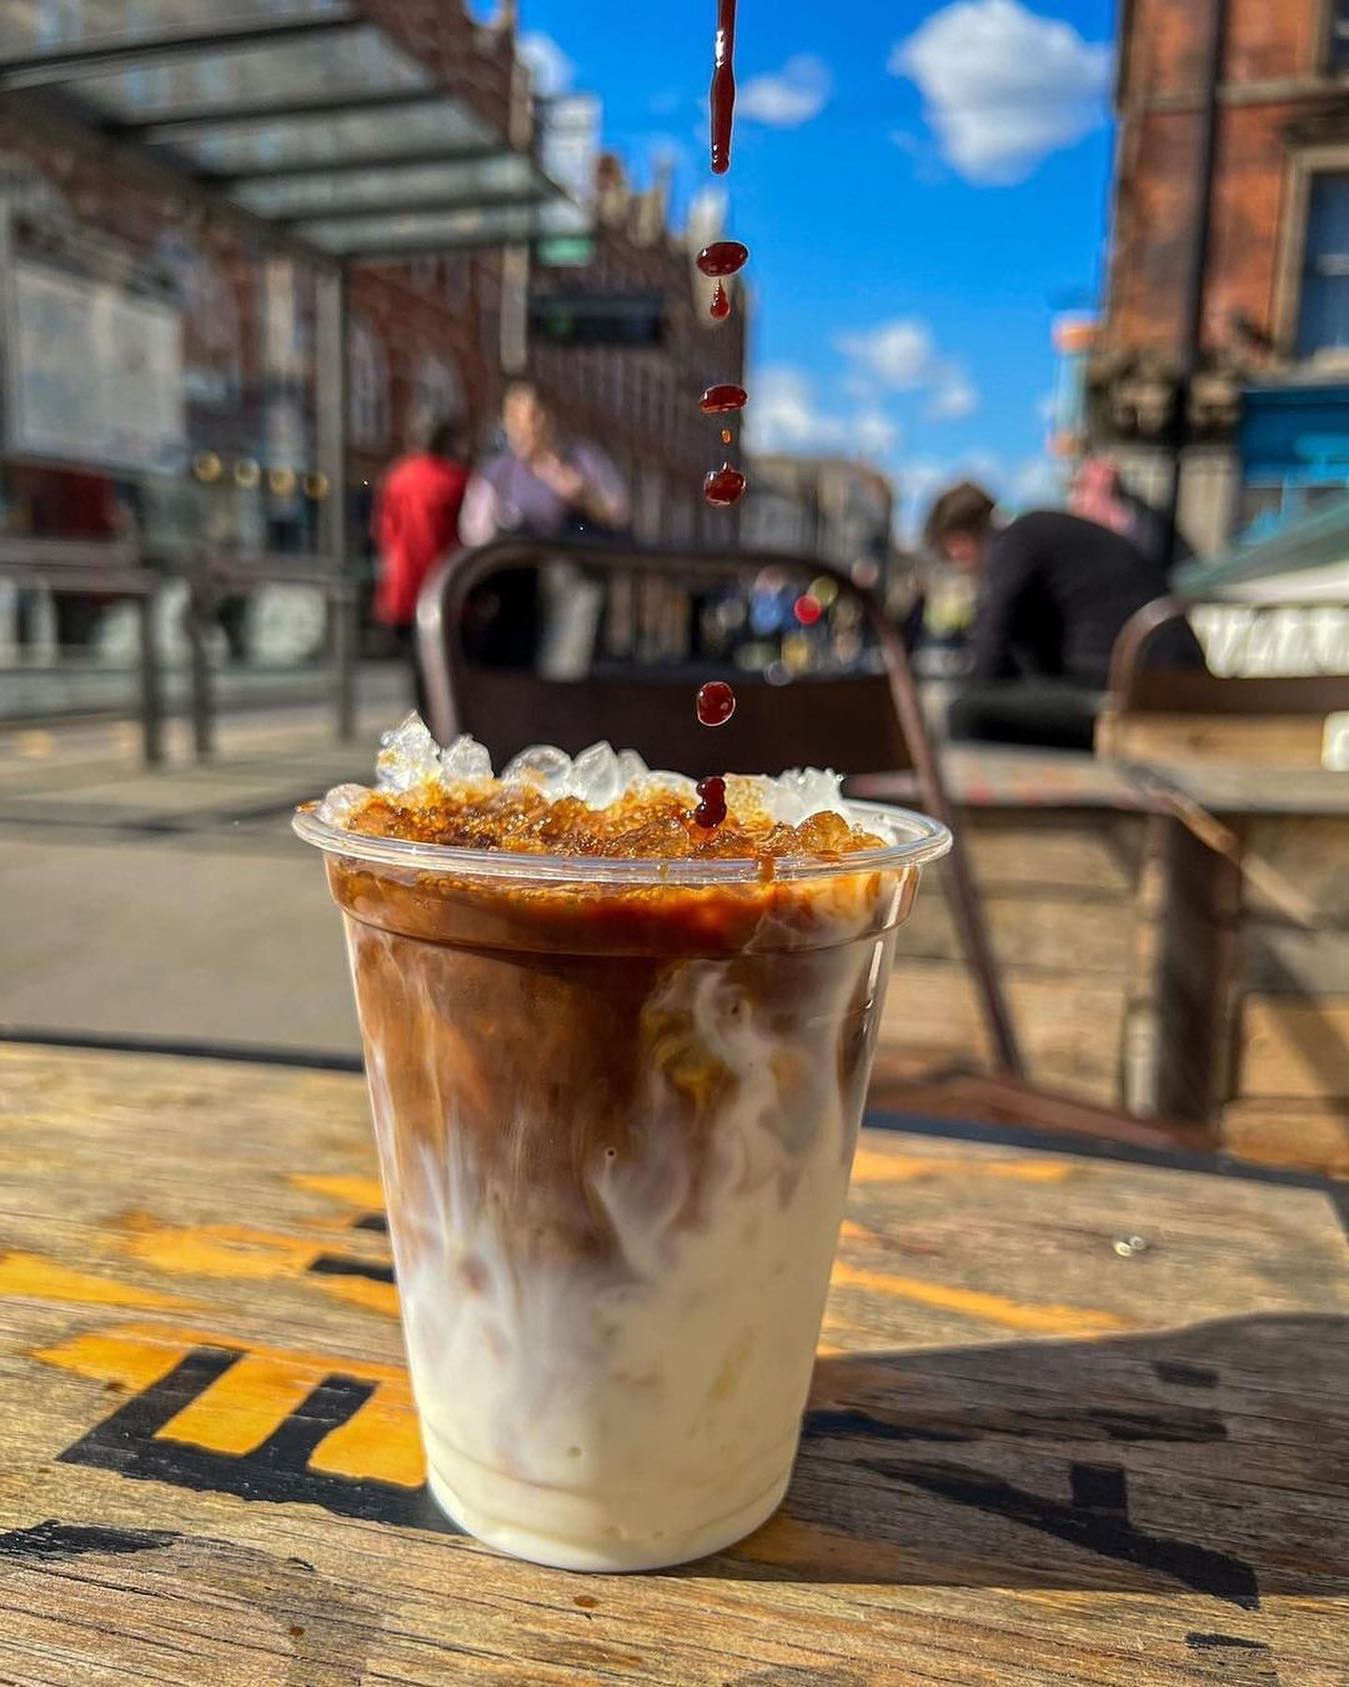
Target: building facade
<point>104,207</point>
<point>1267,418</point>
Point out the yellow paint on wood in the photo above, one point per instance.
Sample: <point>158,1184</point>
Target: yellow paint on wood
<point>46,1279</point>
<point>218,1250</point>
<point>1007,1314</point>
<point>136,1362</point>
<point>361,1291</point>
<point>243,1407</point>
<point>379,1442</point>
<point>74,1355</point>
<point>873,1166</point>
<point>362,1192</point>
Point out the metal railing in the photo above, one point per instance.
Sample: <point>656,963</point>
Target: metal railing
<point>117,569</point>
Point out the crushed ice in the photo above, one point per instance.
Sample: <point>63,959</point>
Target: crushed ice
<point>599,776</point>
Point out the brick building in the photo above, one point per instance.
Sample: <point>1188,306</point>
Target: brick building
<point>393,143</point>
<point>1268,418</point>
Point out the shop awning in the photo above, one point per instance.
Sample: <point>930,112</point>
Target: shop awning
<point>304,113</point>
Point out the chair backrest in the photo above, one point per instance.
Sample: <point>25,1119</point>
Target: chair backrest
<point>1167,714</point>
<point>849,721</point>
<point>855,723</point>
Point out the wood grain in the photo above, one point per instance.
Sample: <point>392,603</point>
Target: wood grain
<point>1295,1048</point>
<point>1252,740</point>
<point>1028,1458</point>
<point>1313,1136</point>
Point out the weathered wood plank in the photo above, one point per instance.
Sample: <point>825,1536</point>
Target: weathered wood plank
<point>1071,1025</point>
<point>1294,1048</point>
<point>1280,959</point>
<point>1029,1459</point>
<point>1290,1133</point>
<point>1311,850</point>
<point>1032,930</point>
<point>1098,851</point>
<point>1253,740</point>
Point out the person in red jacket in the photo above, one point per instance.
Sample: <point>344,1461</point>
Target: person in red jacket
<point>416,524</point>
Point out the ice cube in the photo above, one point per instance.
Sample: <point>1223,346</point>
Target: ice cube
<point>340,802</point>
<point>659,779</point>
<point>408,756</point>
<point>595,776</point>
<point>465,762</point>
<point>800,792</point>
<point>543,766</point>
<point>631,771</point>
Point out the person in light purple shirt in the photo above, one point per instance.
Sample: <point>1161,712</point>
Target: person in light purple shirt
<point>544,486</point>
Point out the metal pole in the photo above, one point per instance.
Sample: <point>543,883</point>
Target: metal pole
<point>152,700</point>
<point>200,603</point>
<point>332,451</point>
<point>1196,285</point>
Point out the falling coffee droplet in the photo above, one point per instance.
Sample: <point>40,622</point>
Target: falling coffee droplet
<point>721,487</point>
<point>716,703</point>
<point>721,303</point>
<point>711,811</point>
<point>725,436</point>
<point>723,257</point>
<point>722,399</point>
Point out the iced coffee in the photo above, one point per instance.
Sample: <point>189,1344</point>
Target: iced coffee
<point>617,1063</point>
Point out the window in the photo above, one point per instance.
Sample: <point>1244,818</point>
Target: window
<point>1323,321</point>
<point>368,392</point>
<point>1339,35</point>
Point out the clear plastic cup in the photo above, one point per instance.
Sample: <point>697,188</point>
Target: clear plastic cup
<point>616,1103</point>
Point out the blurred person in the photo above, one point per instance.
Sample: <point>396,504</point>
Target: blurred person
<point>1098,494</point>
<point>1055,590</point>
<point>416,522</point>
<point>543,485</point>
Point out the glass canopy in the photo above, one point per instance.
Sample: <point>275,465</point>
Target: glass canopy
<point>303,112</point>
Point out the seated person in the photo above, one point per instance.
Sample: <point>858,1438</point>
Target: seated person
<point>1054,592</point>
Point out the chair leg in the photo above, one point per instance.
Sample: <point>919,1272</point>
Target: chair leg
<point>968,913</point>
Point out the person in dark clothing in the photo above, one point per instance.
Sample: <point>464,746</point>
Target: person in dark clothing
<point>1098,494</point>
<point>1055,592</point>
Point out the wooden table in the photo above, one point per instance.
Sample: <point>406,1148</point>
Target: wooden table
<point>1253,966</point>
<point>1029,1457</point>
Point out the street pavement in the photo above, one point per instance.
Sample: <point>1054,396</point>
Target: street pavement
<point>176,905</point>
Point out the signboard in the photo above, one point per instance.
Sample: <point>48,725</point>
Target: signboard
<point>568,149</point>
<point>95,374</point>
<point>598,319</point>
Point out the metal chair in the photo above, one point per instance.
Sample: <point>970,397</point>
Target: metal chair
<point>1187,715</point>
<point>855,723</point>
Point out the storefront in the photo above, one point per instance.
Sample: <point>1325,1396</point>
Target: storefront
<point>244,245</point>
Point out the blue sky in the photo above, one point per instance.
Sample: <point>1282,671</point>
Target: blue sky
<point>923,188</point>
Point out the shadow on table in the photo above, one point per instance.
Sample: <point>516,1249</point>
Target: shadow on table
<point>1213,1458</point>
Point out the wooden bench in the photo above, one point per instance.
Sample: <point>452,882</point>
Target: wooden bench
<point>1175,715</point>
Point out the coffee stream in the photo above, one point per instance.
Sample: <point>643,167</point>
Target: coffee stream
<point>721,101</point>
<point>721,487</point>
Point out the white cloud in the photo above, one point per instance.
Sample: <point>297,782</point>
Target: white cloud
<point>954,396</point>
<point>898,354</point>
<point>784,414</point>
<point>1038,481</point>
<point>788,97</point>
<point>1004,86</point>
<point>548,64</point>
<point>874,434</point>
